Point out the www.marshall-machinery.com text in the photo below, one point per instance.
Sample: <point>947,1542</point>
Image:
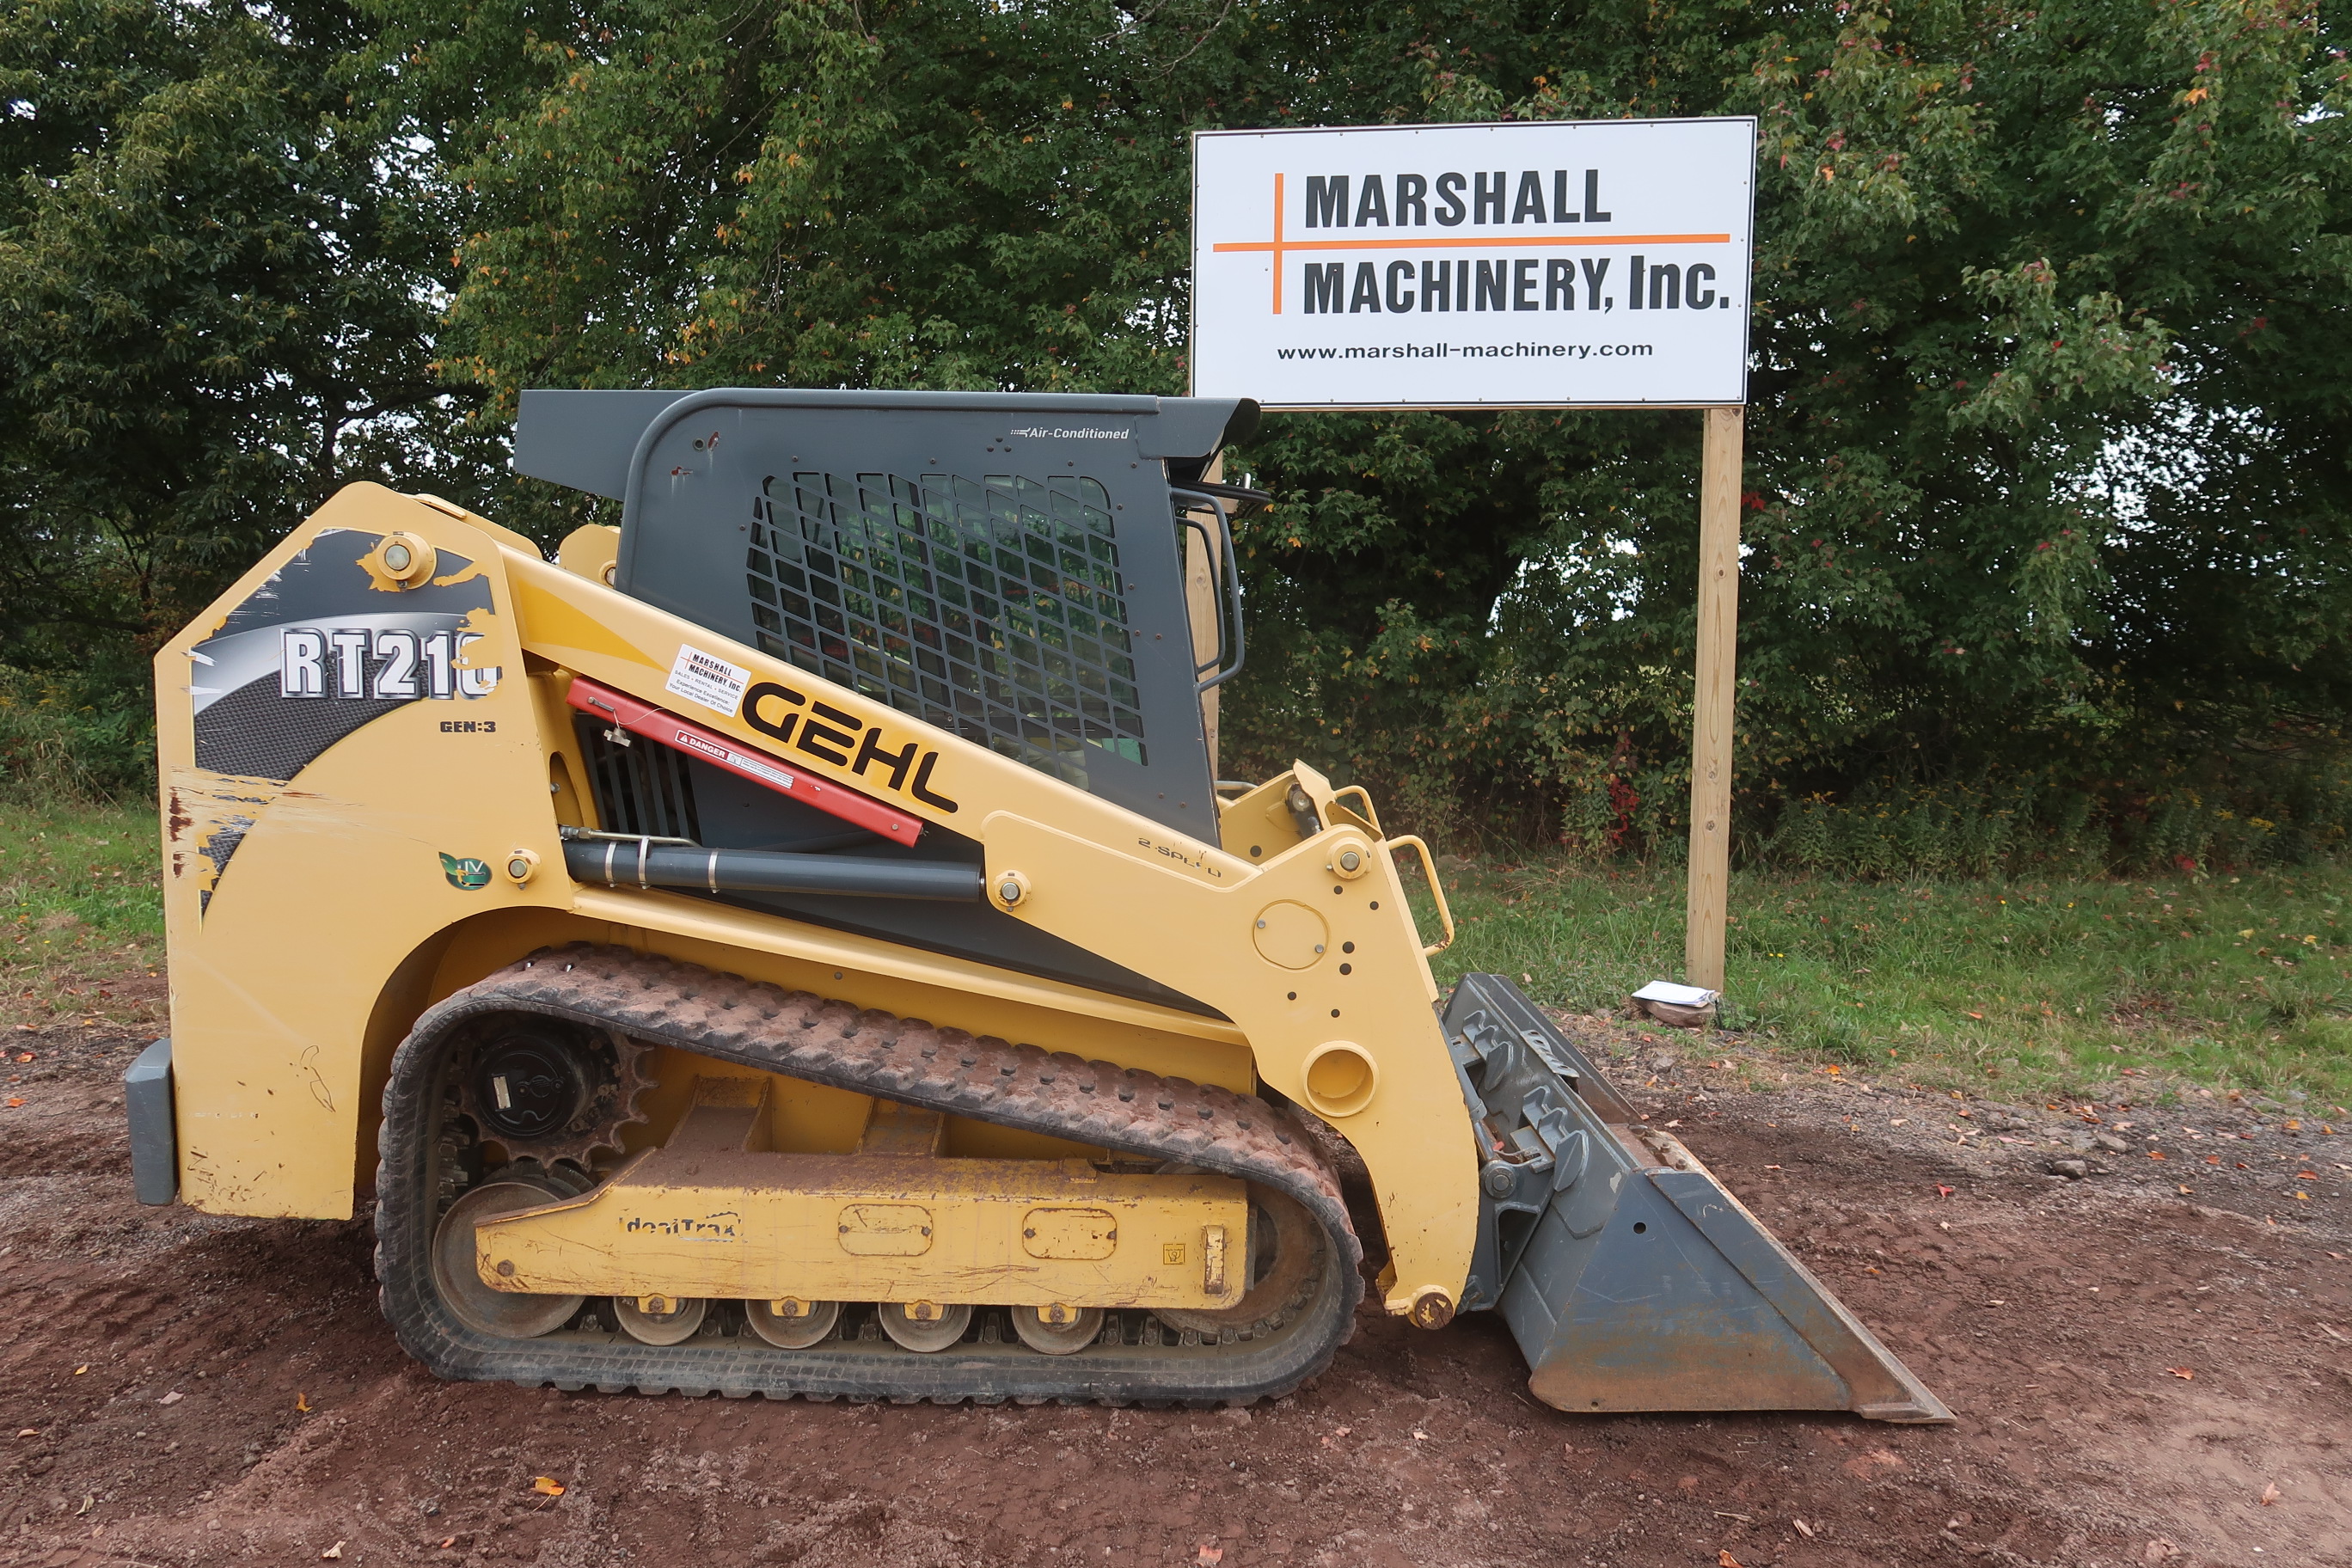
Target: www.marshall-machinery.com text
<point>1473,350</point>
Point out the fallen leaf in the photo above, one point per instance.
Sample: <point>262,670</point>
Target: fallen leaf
<point>1972,1016</point>
<point>547,1486</point>
<point>35,1431</point>
<point>2157,1155</point>
<point>1772,1167</point>
<point>1209,1556</point>
<point>2270,1494</point>
<point>171,1398</point>
<point>1724,1559</point>
<point>302,1404</point>
<point>2182,1191</point>
<point>14,1100</point>
<point>2213,1159</point>
<point>1944,1192</point>
<point>1421,1437</point>
<point>1802,1528</point>
<point>332,1553</point>
<point>2306,1175</point>
<point>448,1542</point>
<point>2182,1373</point>
<point>79,1369</point>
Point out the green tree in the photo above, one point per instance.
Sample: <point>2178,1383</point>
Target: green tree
<point>218,290</point>
<point>2047,447</point>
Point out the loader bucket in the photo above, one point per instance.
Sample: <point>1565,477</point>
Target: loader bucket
<point>1631,1279</point>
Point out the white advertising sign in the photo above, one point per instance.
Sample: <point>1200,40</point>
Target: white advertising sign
<point>1534,264</point>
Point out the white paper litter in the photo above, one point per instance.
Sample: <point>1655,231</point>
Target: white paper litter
<point>1675,995</point>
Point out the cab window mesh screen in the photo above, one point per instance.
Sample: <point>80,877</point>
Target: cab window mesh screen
<point>991,606</point>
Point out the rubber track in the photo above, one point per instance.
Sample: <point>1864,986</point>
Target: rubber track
<point>804,1035</point>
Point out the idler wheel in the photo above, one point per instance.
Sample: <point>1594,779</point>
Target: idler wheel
<point>509,1315</point>
<point>1285,1250</point>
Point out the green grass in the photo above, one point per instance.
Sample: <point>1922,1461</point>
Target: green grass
<point>2046,986</point>
<point>83,918</point>
<point>2026,987</point>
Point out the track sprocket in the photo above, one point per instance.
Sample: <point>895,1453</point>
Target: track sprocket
<point>544,1118</point>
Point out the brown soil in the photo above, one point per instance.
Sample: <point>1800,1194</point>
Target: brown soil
<point>175,1388</point>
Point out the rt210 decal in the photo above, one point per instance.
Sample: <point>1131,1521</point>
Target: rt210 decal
<point>384,664</point>
<point>322,649</point>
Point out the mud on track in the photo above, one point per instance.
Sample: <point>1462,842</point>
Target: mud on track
<point>2046,1312</point>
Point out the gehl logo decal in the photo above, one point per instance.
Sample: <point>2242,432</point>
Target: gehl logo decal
<point>827,733</point>
<point>383,664</point>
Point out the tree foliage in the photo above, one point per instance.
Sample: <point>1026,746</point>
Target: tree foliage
<point>2048,467</point>
<point>215,307</point>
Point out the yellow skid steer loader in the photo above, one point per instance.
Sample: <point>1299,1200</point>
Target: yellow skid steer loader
<point>794,942</point>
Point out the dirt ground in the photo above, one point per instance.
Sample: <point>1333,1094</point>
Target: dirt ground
<point>2142,1375</point>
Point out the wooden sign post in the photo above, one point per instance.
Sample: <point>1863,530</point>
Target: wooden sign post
<point>1711,699</point>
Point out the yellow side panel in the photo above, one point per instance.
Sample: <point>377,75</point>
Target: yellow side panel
<point>287,914</point>
<point>870,1227</point>
<point>309,923</point>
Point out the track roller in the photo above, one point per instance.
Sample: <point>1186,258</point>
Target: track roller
<point>1057,1330</point>
<point>661,1320</point>
<point>793,1325</point>
<point>924,1326</point>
